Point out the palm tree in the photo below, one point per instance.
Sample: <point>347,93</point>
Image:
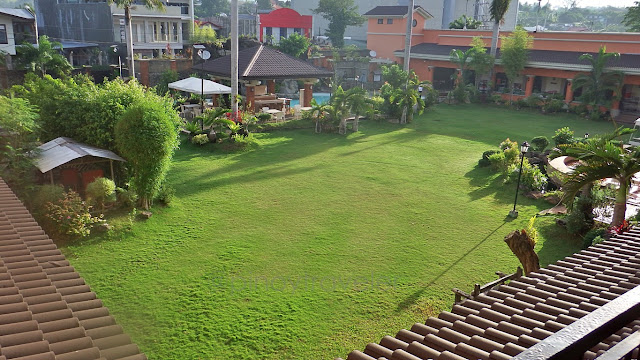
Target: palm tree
<point>497,11</point>
<point>602,157</point>
<point>599,82</point>
<point>462,59</point>
<point>126,5</point>
<point>43,59</point>
<point>358,104</point>
<point>318,110</point>
<point>407,100</point>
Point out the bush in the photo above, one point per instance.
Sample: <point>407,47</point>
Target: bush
<point>70,216</point>
<point>46,194</point>
<point>262,117</point>
<point>484,162</point>
<point>126,198</point>
<point>166,194</point>
<point>497,161</point>
<point>539,143</point>
<point>511,153</point>
<point>378,103</point>
<point>497,99</point>
<point>580,219</point>
<point>563,136</point>
<point>533,101</point>
<point>521,104</point>
<point>532,178</point>
<point>430,96</point>
<point>200,139</point>
<point>100,191</point>
<point>591,235</point>
<point>553,106</point>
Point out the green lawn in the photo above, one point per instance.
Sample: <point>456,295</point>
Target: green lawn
<point>311,245</point>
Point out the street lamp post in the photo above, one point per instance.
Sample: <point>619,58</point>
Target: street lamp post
<point>115,50</point>
<point>204,55</point>
<point>523,149</point>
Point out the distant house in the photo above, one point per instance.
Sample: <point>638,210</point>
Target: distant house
<point>16,27</point>
<point>80,21</point>
<point>283,22</point>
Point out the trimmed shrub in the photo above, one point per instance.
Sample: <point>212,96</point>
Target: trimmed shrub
<point>126,198</point>
<point>484,162</point>
<point>100,191</point>
<point>539,143</point>
<point>166,194</point>
<point>532,178</point>
<point>69,216</point>
<point>497,160</point>
<point>46,194</point>
<point>563,136</point>
<point>591,235</point>
<point>580,219</point>
<point>200,139</point>
<point>533,101</point>
<point>553,106</point>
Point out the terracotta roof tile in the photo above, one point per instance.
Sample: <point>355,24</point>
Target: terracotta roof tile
<point>510,318</point>
<point>46,309</point>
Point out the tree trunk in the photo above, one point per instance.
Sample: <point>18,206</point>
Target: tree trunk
<point>343,126</point>
<point>403,118</point>
<point>494,38</point>
<point>355,122</point>
<point>129,36</point>
<point>523,248</point>
<point>620,206</point>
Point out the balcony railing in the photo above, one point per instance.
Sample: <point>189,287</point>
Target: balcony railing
<point>576,339</point>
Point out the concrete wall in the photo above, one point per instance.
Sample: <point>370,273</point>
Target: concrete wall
<point>90,22</point>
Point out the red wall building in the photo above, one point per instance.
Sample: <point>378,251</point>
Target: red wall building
<point>281,23</point>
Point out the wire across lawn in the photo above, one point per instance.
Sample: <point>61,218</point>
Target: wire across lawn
<point>311,245</point>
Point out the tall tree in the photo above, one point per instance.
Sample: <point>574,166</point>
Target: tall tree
<point>632,17</point>
<point>480,62</point>
<point>601,82</point>
<point>461,59</point>
<point>264,4</point>
<point>212,8</point>
<point>602,157</point>
<point>126,5</point>
<point>497,11</point>
<point>358,104</point>
<point>514,54</point>
<point>340,13</point>
<point>43,59</point>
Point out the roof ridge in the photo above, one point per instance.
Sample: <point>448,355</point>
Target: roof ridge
<point>253,60</point>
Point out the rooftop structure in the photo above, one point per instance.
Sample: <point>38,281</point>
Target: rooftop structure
<point>47,310</point>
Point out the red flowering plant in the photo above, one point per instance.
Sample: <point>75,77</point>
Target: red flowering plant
<point>70,216</point>
<point>620,229</point>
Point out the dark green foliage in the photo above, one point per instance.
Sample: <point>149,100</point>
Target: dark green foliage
<point>484,161</point>
<point>600,82</point>
<point>539,143</point>
<point>632,17</point>
<point>45,194</point>
<point>147,136</point>
<point>553,106</point>
<point>46,58</point>
<point>563,136</point>
<point>126,198</point>
<point>591,235</point>
<point>340,13</point>
<point>532,177</point>
<point>263,117</point>
<point>580,219</point>
<point>166,78</point>
<point>294,45</point>
<point>212,7</point>
<point>465,22</point>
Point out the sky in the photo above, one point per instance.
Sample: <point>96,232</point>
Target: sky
<point>585,3</point>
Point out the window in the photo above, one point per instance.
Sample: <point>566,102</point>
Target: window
<point>3,34</point>
<point>389,21</point>
<point>297,30</point>
<point>414,23</point>
<point>283,33</point>
<point>380,21</point>
<point>269,31</point>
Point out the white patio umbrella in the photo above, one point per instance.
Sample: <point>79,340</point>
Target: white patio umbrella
<point>198,86</point>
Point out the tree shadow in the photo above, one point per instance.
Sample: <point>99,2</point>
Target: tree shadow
<point>558,242</point>
<point>413,298</point>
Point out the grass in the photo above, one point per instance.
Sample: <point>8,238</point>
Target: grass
<point>311,245</point>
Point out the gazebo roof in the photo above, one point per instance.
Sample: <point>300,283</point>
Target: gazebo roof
<point>61,150</point>
<point>263,62</point>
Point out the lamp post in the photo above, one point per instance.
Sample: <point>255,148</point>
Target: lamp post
<point>204,55</point>
<point>115,50</point>
<point>523,149</point>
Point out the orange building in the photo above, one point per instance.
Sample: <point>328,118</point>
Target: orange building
<point>553,60</point>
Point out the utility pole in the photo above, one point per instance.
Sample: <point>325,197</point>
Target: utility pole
<point>407,39</point>
<point>234,57</point>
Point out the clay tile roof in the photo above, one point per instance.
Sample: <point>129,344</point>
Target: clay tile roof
<point>509,319</point>
<point>46,309</point>
<point>263,62</point>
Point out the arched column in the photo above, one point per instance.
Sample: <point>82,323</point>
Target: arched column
<point>529,87</point>
<point>568,94</point>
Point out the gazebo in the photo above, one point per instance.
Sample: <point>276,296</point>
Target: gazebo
<point>261,63</point>
<point>73,163</point>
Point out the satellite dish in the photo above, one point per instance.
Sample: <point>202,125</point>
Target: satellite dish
<point>204,54</point>
<point>372,53</point>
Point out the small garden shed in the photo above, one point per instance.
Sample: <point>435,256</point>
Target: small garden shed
<point>73,164</point>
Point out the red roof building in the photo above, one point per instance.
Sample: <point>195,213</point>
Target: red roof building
<point>281,23</point>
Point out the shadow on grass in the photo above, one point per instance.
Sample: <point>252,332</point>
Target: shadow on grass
<point>413,298</point>
<point>558,244</point>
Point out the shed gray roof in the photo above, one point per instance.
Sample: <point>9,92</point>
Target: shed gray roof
<point>61,150</point>
<point>263,62</point>
<point>19,13</point>
<point>395,10</point>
